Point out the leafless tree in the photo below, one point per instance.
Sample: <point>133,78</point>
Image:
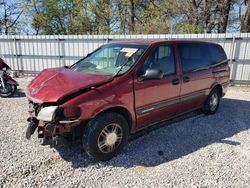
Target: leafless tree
<point>9,16</point>
<point>213,15</point>
<point>245,20</point>
<point>224,10</point>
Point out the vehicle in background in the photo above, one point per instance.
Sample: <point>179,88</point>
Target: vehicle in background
<point>8,85</point>
<point>124,87</point>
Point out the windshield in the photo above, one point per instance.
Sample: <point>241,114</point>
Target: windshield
<point>110,59</point>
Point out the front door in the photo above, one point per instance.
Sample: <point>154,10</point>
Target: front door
<point>155,99</point>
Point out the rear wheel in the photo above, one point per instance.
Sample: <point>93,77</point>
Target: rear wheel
<point>212,103</point>
<point>105,136</point>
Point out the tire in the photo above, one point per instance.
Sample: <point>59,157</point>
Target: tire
<point>105,136</point>
<point>212,103</point>
<point>11,90</point>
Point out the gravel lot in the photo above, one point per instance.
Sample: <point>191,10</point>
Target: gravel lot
<point>196,151</point>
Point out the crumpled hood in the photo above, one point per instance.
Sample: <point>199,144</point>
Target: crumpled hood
<point>53,84</point>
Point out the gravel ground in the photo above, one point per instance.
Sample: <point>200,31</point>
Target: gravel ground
<point>198,151</point>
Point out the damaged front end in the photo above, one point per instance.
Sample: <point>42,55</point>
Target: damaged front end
<point>49,120</point>
<point>47,94</point>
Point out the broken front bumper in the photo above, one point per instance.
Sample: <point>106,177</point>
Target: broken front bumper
<point>50,129</point>
<point>49,121</point>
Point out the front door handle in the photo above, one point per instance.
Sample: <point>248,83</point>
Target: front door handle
<point>186,79</point>
<point>175,81</point>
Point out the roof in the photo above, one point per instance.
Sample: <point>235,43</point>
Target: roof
<point>154,41</point>
<point>140,41</point>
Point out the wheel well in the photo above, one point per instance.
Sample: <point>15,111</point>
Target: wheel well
<point>219,87</point>
<point>123,111</point>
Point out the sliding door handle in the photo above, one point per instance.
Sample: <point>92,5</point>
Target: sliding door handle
<point>186,79</point>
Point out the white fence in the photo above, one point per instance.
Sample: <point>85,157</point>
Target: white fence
<point>35,53</point>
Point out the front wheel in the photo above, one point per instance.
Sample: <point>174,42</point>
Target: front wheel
<point>105,136</point>
<point>212,103</point>
<point>8,91</point>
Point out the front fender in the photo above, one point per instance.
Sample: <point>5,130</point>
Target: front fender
<point>95,103</point>
<point>88,111</point>
<point>91,109</point>
<point>116,94</point>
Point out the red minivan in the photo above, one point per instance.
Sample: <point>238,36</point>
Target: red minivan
<point>124,87</point>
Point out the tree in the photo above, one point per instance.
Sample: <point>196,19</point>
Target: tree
<point>60,17</point>
<point>212,15</point>
<point>121,17</point>
<point>155,18</point>
<point>245,20</point>
<point>10,16</point>
<point>189,28</point>
<point>129,14</point>
<point>224,9</point>
<point>101,13</point>
<point>125,16</point>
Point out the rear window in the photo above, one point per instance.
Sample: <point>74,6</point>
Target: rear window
<point>198,56</point>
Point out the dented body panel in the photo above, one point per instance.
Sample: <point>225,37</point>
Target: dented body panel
<point>61,81</point>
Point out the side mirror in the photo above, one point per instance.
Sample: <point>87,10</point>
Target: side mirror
<point>152,74</point>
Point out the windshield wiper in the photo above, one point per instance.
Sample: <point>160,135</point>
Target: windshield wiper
<point>123,65</point>
<point>117,73</point>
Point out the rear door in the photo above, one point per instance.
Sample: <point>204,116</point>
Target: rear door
<point>197,76</point>
<point>155,100</point>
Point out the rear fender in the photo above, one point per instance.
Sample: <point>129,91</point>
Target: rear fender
<point>216,84</point>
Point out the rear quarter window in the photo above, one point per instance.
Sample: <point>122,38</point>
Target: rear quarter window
<point>217,54</point>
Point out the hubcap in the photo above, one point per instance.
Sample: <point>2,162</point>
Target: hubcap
<point>213,101</point>
<point>110,138</point>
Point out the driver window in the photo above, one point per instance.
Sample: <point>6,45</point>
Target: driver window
<point>162,59</point>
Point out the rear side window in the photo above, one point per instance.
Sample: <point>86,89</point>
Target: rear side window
<point>217,54</point>
<point>194,56</point>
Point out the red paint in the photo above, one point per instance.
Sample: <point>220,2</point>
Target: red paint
<point>127,92</point>
<point>52,84</point>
